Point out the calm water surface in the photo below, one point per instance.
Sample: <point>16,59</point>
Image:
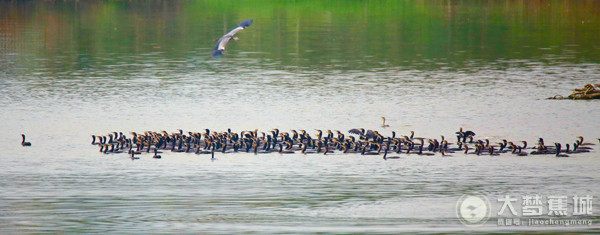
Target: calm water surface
<point>72,69</point>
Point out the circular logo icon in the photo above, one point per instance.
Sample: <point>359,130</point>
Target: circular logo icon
<point>473,210</point>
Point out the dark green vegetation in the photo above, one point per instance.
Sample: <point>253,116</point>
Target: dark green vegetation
<point>307,33</point>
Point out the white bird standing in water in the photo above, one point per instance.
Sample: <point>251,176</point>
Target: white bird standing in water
<point>220,47</point>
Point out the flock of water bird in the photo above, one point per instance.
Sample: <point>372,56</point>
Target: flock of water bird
<point>357,141</point>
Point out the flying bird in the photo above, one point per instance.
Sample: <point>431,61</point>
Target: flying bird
<point>220,47</point>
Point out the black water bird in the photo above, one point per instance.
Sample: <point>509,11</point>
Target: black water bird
<point>113,150</point>
<point>541,141</point>
<point>205,151</point>
<point>102,146</point>
<point>580,146</point>
<point>224,147</point>
<point>358,131</point>
<point>326,150</point>
<point>459,147</point>
<point>304,150</point>
<point>503,145</point>
<point>541,148</point>
<point>578,149</point>
<point>519,152</point>
<point>23,143</point>
<point>156,154</point>
<point>133,157</point>
<point>491,151</point>
<point>422,153</point>
<point>281,151</point>
<point>131,150</point>
<point>220,47</point>
<point>558,149</point>
<point>365,151</point>
<point>385,157</point>
<point>370,134</point>
<point>478,149</point>
<point>464,134</point>
<point>581,143</point>
<point>431,147</point>
<point>444,153</point>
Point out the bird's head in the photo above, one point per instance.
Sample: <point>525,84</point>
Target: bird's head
<point>246,23</point>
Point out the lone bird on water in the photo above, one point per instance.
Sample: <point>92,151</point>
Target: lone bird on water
<point>220,47</point>
<point>384,125</point>
<point>23,143</point>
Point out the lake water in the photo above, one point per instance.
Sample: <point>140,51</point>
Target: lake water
<point>72,69</point>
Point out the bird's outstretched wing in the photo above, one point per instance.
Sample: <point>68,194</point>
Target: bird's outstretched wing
<point>356,131</point>
<point>370,134</point>
<point>469,133</point>
<point>220,47</point>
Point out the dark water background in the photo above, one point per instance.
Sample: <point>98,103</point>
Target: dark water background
<point>70,69</point>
